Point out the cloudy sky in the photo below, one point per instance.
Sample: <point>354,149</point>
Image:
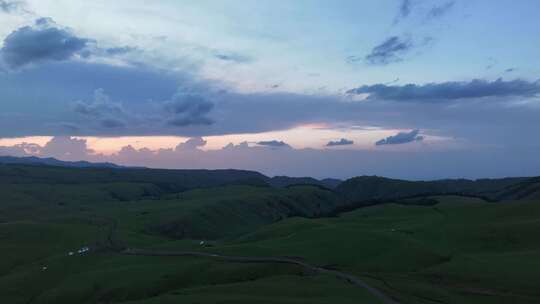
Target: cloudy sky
<point>416,89</point>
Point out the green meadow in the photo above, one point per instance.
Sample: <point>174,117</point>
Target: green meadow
<point>422,249</point>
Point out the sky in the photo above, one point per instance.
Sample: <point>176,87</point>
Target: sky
<point>411,89</point>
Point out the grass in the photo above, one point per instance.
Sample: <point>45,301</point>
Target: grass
<point>278,289</point>
<point>459,251</point>
<point>451,250</point>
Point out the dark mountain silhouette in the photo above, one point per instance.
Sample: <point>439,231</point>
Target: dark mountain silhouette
<point>32,160</point>
<point>375,188</point>
<point>253,178</point>
<point>285,181</point>
<point>356,191</point>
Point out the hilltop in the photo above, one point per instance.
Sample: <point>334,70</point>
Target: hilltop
<point>50,161</point>
<point>215,203</point>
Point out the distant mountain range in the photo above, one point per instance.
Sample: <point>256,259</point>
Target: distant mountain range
<point>32,160</point>
<point>362,190</point>
<point>372,189</point>
<point>277,181</point>
<point>285,181</point>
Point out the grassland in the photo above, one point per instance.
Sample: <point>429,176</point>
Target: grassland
<point>436,249</point>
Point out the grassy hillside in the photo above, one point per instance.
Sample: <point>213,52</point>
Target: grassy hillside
<point>526,190</point>
<point>461,250</point>
<point>221,212</point>
<point>458,251</point>
<point>373,188</point>
<point>167,180</point>
<point>414,248</point>
<point>38,232</point>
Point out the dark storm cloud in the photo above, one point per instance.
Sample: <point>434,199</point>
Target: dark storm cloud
<point>41,42</point>
<point>452,90</point>
<point>184,121</point>
<point>100,106</point>
<point>109,114</point>
<point>79,80</point>
<point>142,92</point>
<point>68,87</point>
<point>112,123</point>
<point>48,41</point>
<point>401,138</point>
<point>189,109</point>
<point>390,50</point>
<point>440,10</point>
<point>182,110</point>
<point>274,144</point>
<point>341,142</point>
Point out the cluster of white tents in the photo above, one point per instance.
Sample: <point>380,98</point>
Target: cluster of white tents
<point>83,250</point>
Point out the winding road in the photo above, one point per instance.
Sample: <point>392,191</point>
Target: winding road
<point>115,245</point>
<point>283,260</point>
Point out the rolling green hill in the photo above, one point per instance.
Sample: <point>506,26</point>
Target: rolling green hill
<point>374,188</point>
<point>411,245</point>
<point>461,250</point>
<point>167,180</point>
<point>526,190</point>
<point>226,211</point>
